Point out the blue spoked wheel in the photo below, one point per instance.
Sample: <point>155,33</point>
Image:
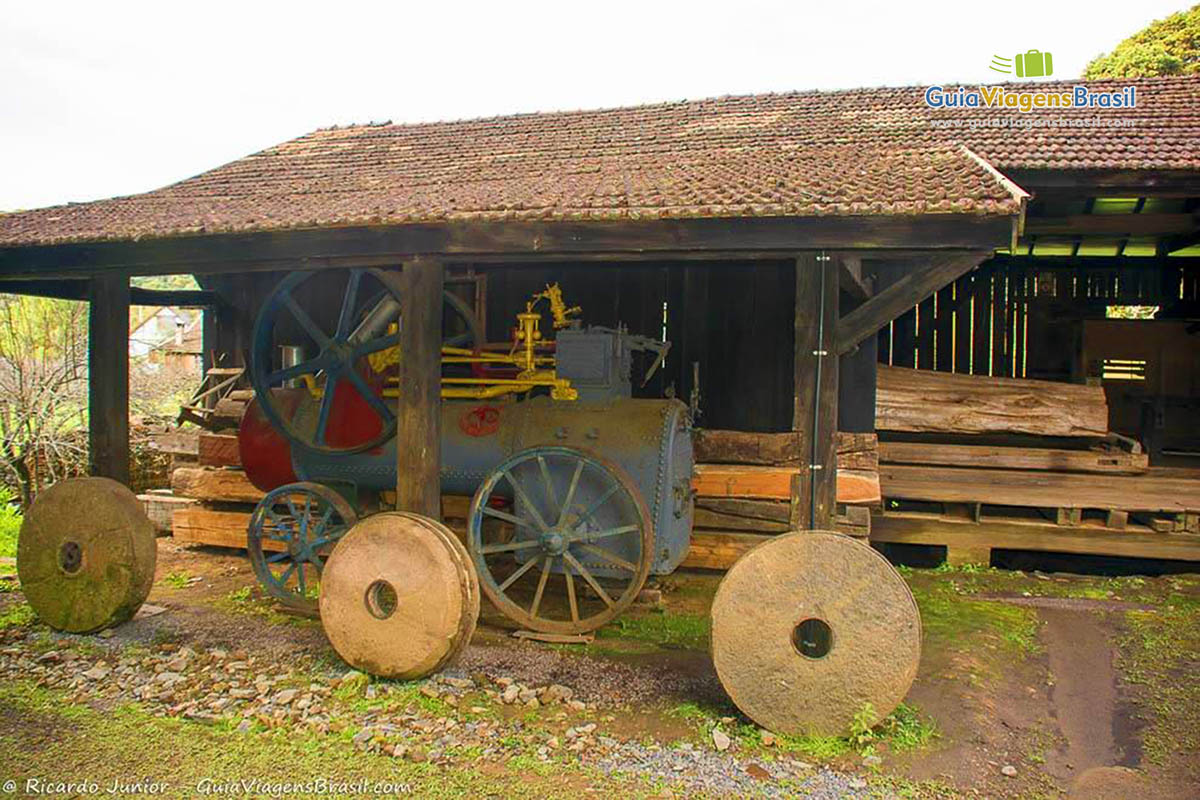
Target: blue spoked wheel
<point>337,340</point>
<point>561,539</point>
<point>292,531</point>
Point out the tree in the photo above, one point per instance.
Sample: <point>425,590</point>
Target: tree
<point>1168,46</point>
<point>43,392</point>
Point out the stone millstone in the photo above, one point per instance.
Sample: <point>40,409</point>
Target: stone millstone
<point>86,555</point>
<point>870,656</point>
<point>469,580</point>
<point>436,602</point>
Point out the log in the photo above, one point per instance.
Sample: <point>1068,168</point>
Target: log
<point>1029,458</point>
<point>742,447</point>
<point>1065,490</point>
<point>942,402</point>
<point>854,450</point>
<point>858,487</point>
<point>201,525</point>
<point>719,550</point>
<point>218,450</point>
<point>176,443</point>
<point>214,485</point>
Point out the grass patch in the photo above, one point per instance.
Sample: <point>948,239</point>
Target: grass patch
<point>685,631</point>
<point>17,615</point>
<point>1160,656</point>
<point>10,524</point>
<point>951,617</point>
<point>120,744</point>
<point>176,580</point>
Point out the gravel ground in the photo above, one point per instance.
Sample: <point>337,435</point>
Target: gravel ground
<point>485,709</point>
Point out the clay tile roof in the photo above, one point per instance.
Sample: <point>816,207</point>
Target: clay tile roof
<point>856,152</point>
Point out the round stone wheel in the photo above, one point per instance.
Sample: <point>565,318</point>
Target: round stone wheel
<point>469,580</point>
<point>86,555</point>
<point>809,629</point>
<point>397,597</point>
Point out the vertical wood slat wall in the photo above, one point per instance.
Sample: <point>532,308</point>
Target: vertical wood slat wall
<point>979,325</point>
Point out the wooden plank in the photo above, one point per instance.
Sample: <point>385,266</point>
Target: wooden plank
<point>916,285</point>
<point>1039,489</point>
<point>1114,224</point>
<point>936,402</point>
<point>214,484</point>
<point>177,443</point>
<point>160,507</point>
<point>218,450</point>
<point>705,518</point>
<point>719,550</point>
<point>418,429</point>
<point>854,450</point>
<point>201,525</point>
<point>108,377</point>
<point>742,447</point>
<point>857,487</point>
<point>761,510</point>
<point>911,528</point>
<point>996,457</point>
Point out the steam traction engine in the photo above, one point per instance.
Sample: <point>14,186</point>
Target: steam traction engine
<point>580,489</point>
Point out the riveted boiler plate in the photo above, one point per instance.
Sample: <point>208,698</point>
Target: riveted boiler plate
<point>809,628</point>
<point>86,555</point>
<point>392,597</point>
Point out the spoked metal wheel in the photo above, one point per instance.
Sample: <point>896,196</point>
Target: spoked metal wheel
<point>291,532</point>
<point>561,538</point>
<point>346,351</point>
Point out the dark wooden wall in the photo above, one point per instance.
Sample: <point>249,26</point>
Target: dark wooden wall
<point>733,318</point>
<point>1021,317</point>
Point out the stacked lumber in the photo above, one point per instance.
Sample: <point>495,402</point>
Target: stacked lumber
<point>973,463</point>
<point>747,485</point>
<point>223,497</point>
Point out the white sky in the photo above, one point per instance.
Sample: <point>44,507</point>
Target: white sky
<point>99,99</point>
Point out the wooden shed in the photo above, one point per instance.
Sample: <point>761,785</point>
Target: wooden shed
<point>786,244</point>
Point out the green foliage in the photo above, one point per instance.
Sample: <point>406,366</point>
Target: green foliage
<point>10,523</point>
<point>16,615</point>
<point>176,580</point>
<point>1168,46</point>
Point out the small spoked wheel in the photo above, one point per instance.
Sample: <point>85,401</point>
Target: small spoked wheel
<point>292,531</point>
<point>561,538</point>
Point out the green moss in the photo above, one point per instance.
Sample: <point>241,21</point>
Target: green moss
<point>951,617</point>
<point>17,615</point>
<point>689,631</point>
<point>1158,656</point>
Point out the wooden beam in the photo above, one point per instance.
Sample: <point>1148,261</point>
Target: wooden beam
<point>1006,487</point>
<point>912,288</point>
<point>108,377</point>
<point>218,450</point>
<point>856,487</point>
<point>814,415</point>
<point>477,242</point>
<point>418,429</point>
<point>1113,224</point>
<point>1027,458</point>
<point>214,485</point>
<point>1181,242</point>
<point>851,278</point>
<point>922,401</point>
<point>1082,183</point>
<point>902,528</point>
<point>77,289</point>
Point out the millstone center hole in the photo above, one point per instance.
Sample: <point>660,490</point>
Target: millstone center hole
<point>813,638</point>
<point>381,599</point>
<point>70,557</point>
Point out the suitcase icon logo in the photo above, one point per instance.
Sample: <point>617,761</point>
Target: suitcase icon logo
<point>1034,64</point>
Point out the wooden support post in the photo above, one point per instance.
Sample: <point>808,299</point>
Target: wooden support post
<point>816,386</point>
<point>419,414</point>
<point>108,377</point>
